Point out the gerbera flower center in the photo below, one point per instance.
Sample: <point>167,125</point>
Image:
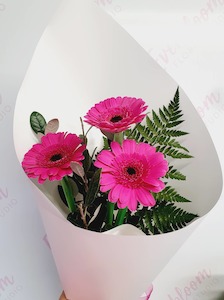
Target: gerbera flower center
<point>131,171</point>
<point>116,119</point>
<point>56,157</point>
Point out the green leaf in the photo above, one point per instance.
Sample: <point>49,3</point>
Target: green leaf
<point>157,120</point>
<point>150,125</point>
<point>166,217</point>
<point>143,133</point>
<point>174,133</point>
<point>169,194</point>
<point>163,116</point>
<point>174,153</point>
<point>105,144</point>
<point>68,192</point>
<point>175,174</point>
<point>176,116</point>
<point>87,161</point>
<point>37,122</point>
<point>176,144</point>
<point>77,169</point>
<point>52,126</point>
<point>174,123</point>
<point>97,221</point>
<point>93,188</point>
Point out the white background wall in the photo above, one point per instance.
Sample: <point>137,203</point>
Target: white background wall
<point>186,39</point>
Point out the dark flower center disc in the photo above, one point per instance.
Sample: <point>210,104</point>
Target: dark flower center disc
<point>56,157</point>
<point>116,119</point>
<point>131,171</point>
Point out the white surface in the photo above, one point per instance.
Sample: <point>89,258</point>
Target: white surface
<point>186,39</point>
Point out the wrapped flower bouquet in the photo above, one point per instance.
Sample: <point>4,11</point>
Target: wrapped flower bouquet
<point>122,188</point>
<point>127,180</point>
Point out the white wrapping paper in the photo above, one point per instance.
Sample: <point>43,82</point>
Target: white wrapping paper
<point>84,57</point>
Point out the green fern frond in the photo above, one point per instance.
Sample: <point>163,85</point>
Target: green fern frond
<point>169,194</point>
<point>174,153</point>
<point>168,142</point>
<point>166,217</point>
<point>176,144</point>
<point>174,123</point>
<point>157,120</point>
<point>163,116</point>
<point>161,130</point>
<point>174,174</point>
<point>174,133</point>
<point>151,126</point>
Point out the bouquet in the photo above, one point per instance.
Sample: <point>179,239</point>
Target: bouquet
<point>129,180</point>
<point>134,182</point>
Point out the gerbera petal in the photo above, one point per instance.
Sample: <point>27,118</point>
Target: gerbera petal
<point>125,195</point>
<point>132,172</point>
<point>121,205</point>
<point>114,193</point>
<point>151,181</point>
<point>107,179</point>
<point>155,159</point>
<point>51,158</point>
<point>128,110</point>
<point>157,188</point>
<point>104,159</point>
<point>116,148</point>
<point>105,188</point>
<point>145,149</point>
<point>145,197</point>
<point>129,146</point>
<point>132,204</point>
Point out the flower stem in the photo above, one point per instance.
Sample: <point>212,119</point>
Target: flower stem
<point>119,137</point>
<point>67,189</point>
<point>83,215</point>
<point>120,216</point>
<point>110,213</point>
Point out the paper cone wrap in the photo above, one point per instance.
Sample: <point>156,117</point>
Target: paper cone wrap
<point>83,57</point>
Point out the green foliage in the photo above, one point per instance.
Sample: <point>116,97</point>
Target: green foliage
<point>165,217</point>
<point>93,188</point>
<point>169,194</point>
<point>161,131</point>
<point>87,161</point>
<point>37,122</point>
<point>174,174</point>
<point>106,145</point>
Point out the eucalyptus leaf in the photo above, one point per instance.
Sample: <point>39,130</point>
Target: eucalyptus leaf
<point>52,126</point>
<point>77,169</point>
<point>37,122</point>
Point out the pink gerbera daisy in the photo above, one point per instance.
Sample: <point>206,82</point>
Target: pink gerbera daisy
<point>51,158</point>
<point>130,172</point>
<point>116,114</point>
